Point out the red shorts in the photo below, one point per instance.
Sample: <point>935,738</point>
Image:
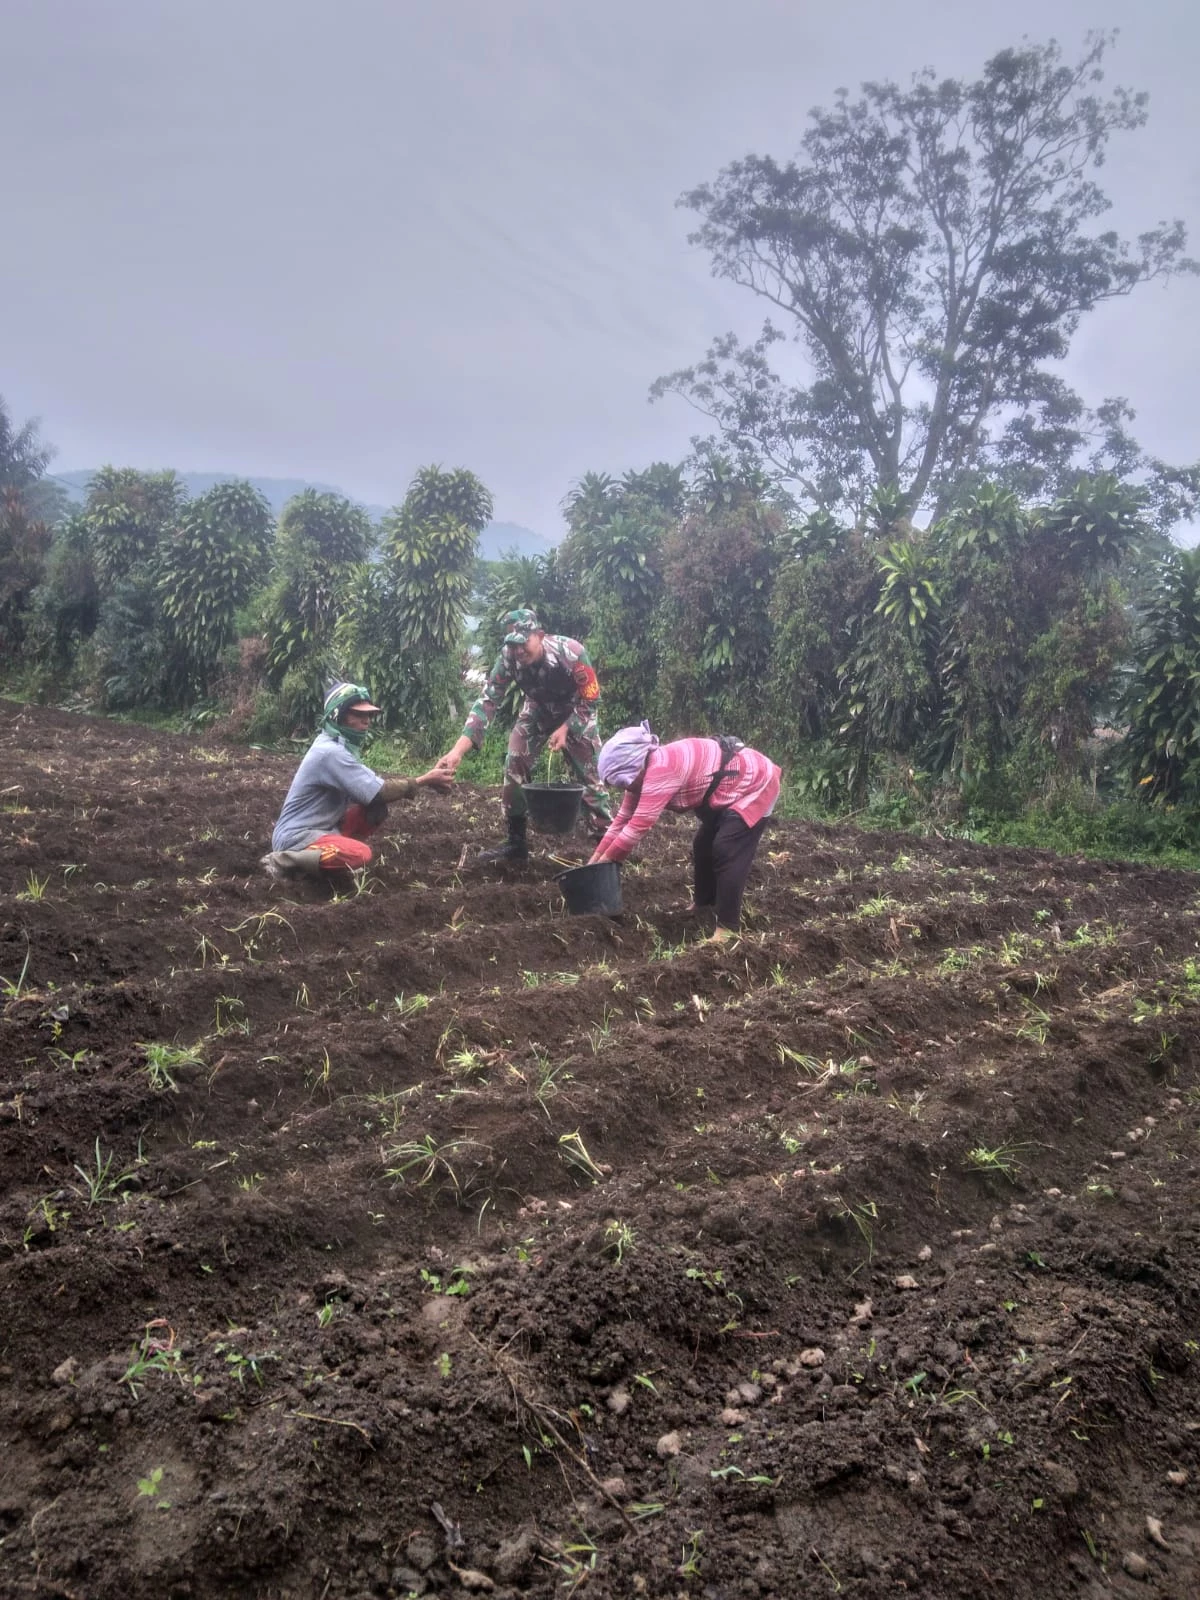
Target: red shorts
<point>346,849</point>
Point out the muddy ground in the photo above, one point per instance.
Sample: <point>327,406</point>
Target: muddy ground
<point>454,1245</point>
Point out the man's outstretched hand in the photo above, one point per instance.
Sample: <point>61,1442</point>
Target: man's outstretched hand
<point>439,778</point>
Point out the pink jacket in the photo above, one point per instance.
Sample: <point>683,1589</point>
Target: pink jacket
<point>676,777</point>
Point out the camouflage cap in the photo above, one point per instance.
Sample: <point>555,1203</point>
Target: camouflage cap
<point>521,624</point>
<point>347,697</point>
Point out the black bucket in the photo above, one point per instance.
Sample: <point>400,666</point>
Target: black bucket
<point>553,807</point>
<point>591,889</point>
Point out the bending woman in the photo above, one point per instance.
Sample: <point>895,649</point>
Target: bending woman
<point>731,788</point>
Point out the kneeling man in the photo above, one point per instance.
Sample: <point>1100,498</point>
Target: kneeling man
<point>336,801</point>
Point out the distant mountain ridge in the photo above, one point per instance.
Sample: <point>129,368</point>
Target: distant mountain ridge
<point>497,539</point>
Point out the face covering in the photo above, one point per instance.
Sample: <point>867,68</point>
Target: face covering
<point>356,740</point>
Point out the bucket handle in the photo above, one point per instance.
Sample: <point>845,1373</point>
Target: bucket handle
<point>569,761</point>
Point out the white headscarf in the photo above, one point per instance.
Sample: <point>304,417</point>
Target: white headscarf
<point>624,756</point>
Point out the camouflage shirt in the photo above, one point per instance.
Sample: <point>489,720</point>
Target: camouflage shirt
<point>561,685</point>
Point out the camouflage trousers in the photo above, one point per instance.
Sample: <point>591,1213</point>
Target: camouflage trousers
<point>526,743</point>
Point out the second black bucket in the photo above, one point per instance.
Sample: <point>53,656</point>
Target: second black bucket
<point>594,889</point>
<point>554,807</point>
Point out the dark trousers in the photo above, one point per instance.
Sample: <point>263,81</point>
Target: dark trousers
<point>722,855</point>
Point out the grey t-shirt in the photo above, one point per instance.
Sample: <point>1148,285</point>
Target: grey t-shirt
<point>328,779</point>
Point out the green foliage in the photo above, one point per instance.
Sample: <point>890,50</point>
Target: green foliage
<point>1162,704</point>
<point>322,541</point>
<point>125,664</point>
<point>713,627</point>
<point>1094,525</point>
<point>24,543</point>
<point>818,598</point>
<point>127,513</point>
<point>613,551</point>
<point>207,567</point>
<point>1075,824</point>
<point>544,583</point>
<point>932,250</point>
<point>96,622</point>
<point>402,628</point>
<point>430,565</point>
<point>29,503</point>
<point>981,651</point>
<point>65,606</point>
<point>24,458</point>
<point>436,497</point>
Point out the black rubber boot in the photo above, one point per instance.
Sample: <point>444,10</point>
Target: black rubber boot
<point>515,848</point>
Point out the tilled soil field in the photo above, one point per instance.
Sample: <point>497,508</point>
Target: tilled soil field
<point>423,1240</point>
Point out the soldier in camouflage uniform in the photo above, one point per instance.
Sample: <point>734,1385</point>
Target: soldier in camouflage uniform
<point>561,696</point>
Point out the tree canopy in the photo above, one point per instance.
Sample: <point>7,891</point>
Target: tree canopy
<point>932,251</point>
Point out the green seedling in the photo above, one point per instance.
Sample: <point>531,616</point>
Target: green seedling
<point>1036,1025</point>
<point>743,1477</point>
<point>52,1215</point>
<point>600,1036</point>
<point>74,1060</point>
<point>163,1061</point>
<point>863,1216</point>
<point>422,1160</point>
<point>409,1005</point>
<point>878,906</point>
<point>715,1281</point>
<point>242,1366</point>
<point>574,1561</point>
<point>689,1561</point>
<point>465,1063</point>
<point>574,1153</point>
<point>11,990</point>
<point>150,1487</point>
<point>1001,1160</point>
<point>828,1071</point>
<point>154,1352</point>
<point>101,1185</point>
<point>231,1015</point>
<point>207,951</point>
<point>363,883</point>
<point>458,1283</point>
<point>258,925</point>
<point>327,1313</point>
<point>1100,1191</point>
<point>620,1238</point>
<point>661,951</point>
<point>444,1364</point>
<point>35,887</point>
<point>550,1079</point>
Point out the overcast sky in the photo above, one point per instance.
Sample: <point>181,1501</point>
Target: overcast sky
<point>296,238</point>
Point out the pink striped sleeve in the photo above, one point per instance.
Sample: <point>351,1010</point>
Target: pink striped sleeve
<point>660,783</point>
